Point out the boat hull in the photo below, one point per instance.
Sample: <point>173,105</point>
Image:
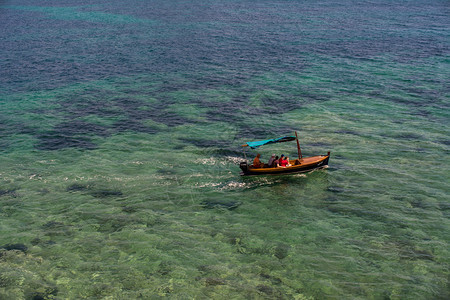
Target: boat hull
<point>306,165</point>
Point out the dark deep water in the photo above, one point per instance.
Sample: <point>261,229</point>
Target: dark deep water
<point>120,133</point>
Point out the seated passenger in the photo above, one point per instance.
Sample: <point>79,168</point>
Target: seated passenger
<point>271,160</point>
<point>276,162</point>
<point>288,162</point>
<point>256,162</point>
<point>283,161</point>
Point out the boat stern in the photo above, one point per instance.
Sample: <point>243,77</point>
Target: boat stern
<point>244,166</point>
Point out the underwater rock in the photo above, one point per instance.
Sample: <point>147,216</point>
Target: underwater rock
<point>19,247</point>
<point>97,193</point>
<point>53,224</point>
<point>444,206</point>
<point>118,222</point>
<point>215,147</point>
<point>179,147</point>
<point>133,125</point>
<point>76,187</point>
<point>281,251</point>
<point>274,280</point>
<point>52,141</point>
<point>409,252</point>
<point>218,204</point>
<point>166,171</point>
<point>38,241</point>
<point>204,268</point>
<point>422,254</point>
<point>11,193</point>
<point>129,209</point>
<point>43,191</point>
<point>417,203</point>
<point>49,293</point>
<point>164,268</point>
<point>335,189</point>
<point>349,132</point>
<point>205,143</point>
<point>80,128</point>
<point>105,193</point>
<point>265,289</point>
<point>35,241</point>
<point>210,281</point>
<point>71,134</point>
<point>54,228</point>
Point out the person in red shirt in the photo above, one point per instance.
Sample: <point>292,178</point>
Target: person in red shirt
<point>283,161</point>
<point>288,162</point>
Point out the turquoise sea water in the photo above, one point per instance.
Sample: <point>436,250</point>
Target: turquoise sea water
<point>120,133</point>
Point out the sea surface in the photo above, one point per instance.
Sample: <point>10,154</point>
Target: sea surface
<point>121,125</point>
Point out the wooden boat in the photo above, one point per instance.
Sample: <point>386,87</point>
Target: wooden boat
<point>300,165</point>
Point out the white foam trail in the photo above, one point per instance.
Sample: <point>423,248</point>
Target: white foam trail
<point>218,161</point>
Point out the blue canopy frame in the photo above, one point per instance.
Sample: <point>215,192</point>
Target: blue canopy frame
<point>283,139</point>
<point>257,144</point>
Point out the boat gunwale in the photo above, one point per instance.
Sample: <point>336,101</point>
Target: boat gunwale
<point>289,169</point>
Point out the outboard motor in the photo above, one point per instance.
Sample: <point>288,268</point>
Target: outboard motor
<point>244,166</point>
